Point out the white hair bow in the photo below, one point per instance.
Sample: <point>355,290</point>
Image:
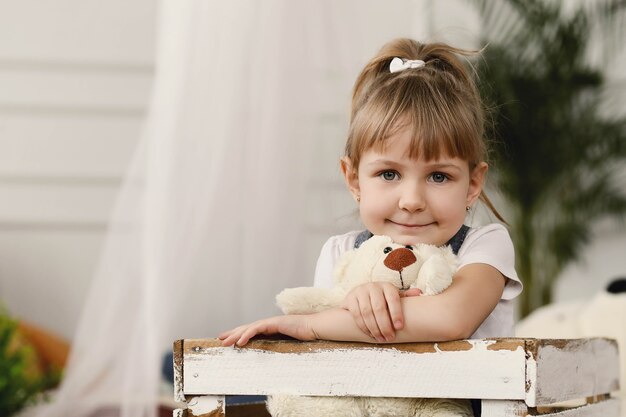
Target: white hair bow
<point>399,64</point>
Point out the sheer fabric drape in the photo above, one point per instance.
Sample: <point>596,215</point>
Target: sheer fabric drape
<point>210,218</point>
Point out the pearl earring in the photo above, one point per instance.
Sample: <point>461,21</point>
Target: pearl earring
<point>467,208</point>
<point>358,198</point>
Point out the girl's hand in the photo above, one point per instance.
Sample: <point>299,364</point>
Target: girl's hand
<point>297,326</point>
<point>376,309</point>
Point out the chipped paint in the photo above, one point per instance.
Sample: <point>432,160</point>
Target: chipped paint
<point>511,372</point>
<point>179,412</point>
<point>567,369</point>
<point>207,406</point>
<point>506,344</point>
<point>455,346</point>
<point>470,368</point>
<point>177,351</point>
<point>207,346</point>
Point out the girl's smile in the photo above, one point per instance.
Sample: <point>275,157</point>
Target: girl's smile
<point>411,226</point>
<point>410,199</point>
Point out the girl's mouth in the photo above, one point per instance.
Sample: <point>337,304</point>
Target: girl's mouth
<point>410,225</point>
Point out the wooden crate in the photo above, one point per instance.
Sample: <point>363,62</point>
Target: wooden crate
<point>512,377</point>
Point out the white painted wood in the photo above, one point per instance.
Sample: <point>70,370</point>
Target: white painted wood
<point>76,89</point>
<point>75,77</point>
<point>607,408</point>
<point>574,369</point>
<point>367,371</point>
<point>78,30</point>
<point>82,147</point>
<point>177,364</point>
<point>503,408</point>
<point>35,203</point>
<point>207,405</point>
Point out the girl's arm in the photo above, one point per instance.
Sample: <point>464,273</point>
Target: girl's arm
<point>454,314</point>
<point>379,312</point>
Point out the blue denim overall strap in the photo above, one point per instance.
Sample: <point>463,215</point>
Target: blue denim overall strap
<point>362,237</point>
<point>455,242</point>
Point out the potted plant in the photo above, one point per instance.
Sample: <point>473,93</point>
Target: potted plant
<point>22,379</point>
<point>558,148</point>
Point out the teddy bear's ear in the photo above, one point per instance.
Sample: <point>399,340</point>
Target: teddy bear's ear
<point>342,264</point>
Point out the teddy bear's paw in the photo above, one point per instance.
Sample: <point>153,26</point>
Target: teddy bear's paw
<point>300,406</point>
<point>435,275</point>
<point>442,407</point>
<point>306,300</point>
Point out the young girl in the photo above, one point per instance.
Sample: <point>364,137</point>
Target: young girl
<point>415,165</point>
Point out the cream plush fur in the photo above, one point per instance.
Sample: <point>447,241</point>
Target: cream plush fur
<point>426,267</point>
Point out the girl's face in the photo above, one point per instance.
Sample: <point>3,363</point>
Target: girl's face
<point>412,200</point>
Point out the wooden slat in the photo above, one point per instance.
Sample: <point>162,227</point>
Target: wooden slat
<point>607,408</point>
<point>79,30</point>
<point>502,408</point>
<point>178,371</point>
<point>206,406</point>
<point>465,369</point>
<point>49,147</point>
<point>52,203</point>
<point>561,370</point>
<point>124,91</point>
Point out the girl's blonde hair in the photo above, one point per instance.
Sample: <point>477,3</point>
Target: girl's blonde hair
<point>438,101</point>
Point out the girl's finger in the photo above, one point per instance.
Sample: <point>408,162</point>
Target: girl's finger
<point>380,308</point>
<point>358,318</point>
<point>231,339</point>
<point>225,334</point>
<point>392,297</point>
<point>411,292</point>
<point>370,321</point>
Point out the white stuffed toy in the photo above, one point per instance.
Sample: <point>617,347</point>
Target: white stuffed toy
<point>422,266</point>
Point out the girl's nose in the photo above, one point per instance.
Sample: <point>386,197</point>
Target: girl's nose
<point>411,200</point>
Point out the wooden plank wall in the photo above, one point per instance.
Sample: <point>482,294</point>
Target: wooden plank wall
<point>74,82</point>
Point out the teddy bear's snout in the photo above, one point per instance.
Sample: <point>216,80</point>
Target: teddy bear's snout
<point>400,258</point>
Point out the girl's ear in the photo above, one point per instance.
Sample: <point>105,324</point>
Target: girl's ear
<point>477,180</point>
<point>351,177</point>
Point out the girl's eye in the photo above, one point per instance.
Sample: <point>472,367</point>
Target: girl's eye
<point>439,177</point>
<point>409,247</point>
<point>389,175</point>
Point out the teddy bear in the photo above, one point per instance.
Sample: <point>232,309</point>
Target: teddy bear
<point>425,267</point>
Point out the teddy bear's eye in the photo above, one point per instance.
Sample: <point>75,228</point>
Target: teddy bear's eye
<point>409,247</point>
<point>387,250</point>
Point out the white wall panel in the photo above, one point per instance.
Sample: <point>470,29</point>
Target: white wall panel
<point>45,275</point>
<point>74,146</point>
<point>119,90</point>
<point>52,203</point>
<point>75,78</point>
<point>113,31</point>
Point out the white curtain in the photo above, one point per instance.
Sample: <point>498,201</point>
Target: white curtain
<point>211,216</point>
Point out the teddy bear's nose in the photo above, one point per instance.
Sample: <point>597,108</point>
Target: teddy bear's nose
<point>399,258</point>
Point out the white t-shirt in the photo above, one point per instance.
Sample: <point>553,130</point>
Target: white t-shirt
<point>490,244</point>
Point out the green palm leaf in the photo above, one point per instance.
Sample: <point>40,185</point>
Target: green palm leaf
<point>555,152</point>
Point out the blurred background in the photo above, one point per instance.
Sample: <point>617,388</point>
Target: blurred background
<point>218,129</point>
